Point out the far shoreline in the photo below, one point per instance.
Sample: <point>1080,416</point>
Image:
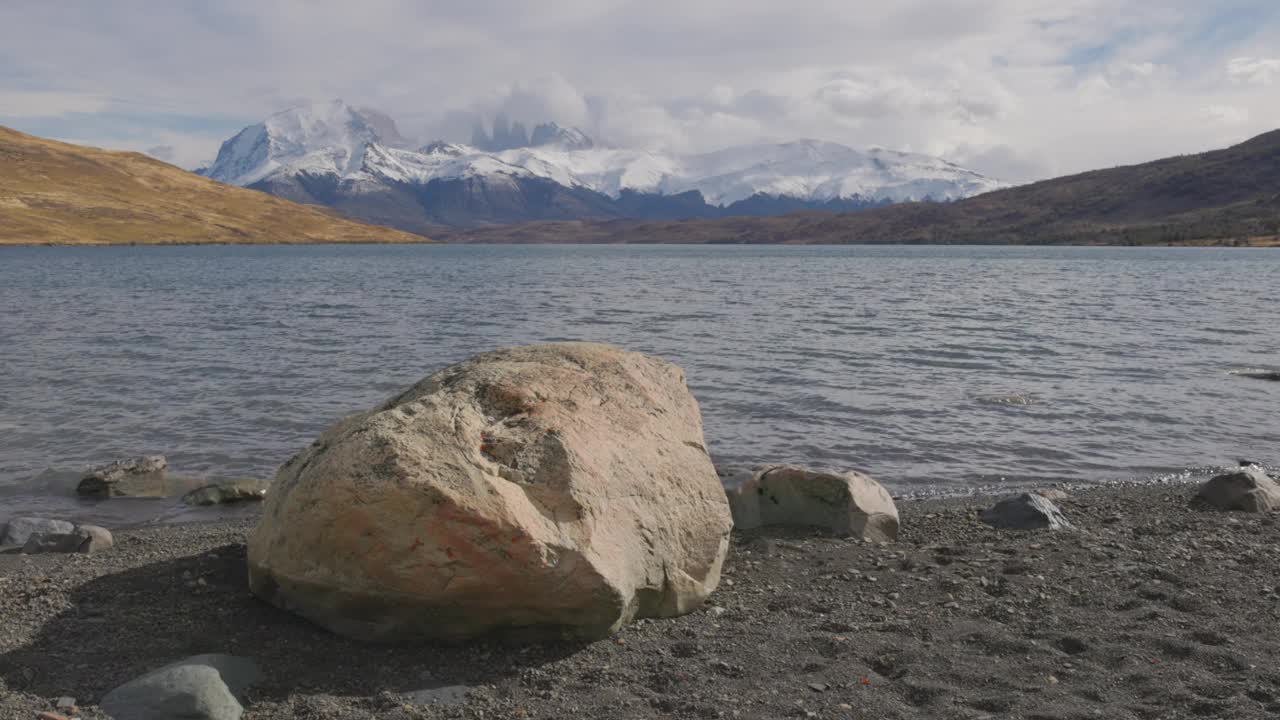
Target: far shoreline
<point>1252,244</point>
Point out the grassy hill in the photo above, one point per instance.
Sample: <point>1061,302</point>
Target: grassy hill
<point>56,193</point>
<point>1229,196</point>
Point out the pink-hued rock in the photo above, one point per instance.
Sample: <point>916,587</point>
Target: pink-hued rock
<point>553,490</point>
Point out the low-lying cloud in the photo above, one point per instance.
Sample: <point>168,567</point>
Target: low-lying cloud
<point>1020,89</point>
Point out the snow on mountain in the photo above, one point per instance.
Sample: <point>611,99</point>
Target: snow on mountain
<point>329,137</point>
<point>561,137</point>
<point>808,169</point>
<point>363,149</point>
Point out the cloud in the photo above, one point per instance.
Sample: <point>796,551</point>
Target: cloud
<point>1005,162</point>
<point>166,153</point>
<point>1228,115</point>
<point>1016,87</point>
<point>550,97</point>
<point>185,150</point>
<point>47,103</point>
<point>1254,71</point>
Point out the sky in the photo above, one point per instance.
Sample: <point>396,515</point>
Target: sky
<point>1018,89</point>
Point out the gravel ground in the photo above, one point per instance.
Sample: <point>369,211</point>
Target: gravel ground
<point>1151,610</point>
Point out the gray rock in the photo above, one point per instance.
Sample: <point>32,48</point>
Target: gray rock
<point>41,543</point>
<point>66,703</point>
<point>1249,489</point>
<point>82,539</point>
<point>204,687</point>
<point>444,696</point>
<point>1053,494</point>
<point>97,539</point>
<point>134,477</point>
<point>847,503</point>
<point>1028,511</point>
<point>1272,375</point>
<point>228,492</point>
<point>19,530</point>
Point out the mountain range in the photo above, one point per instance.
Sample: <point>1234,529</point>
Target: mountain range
<point>1228,196</point>
<point>57,193</point>
<point>355,161</point>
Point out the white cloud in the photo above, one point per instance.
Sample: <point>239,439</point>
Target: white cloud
<point>1255,71</point>
<point>1228,115</point>
<point>549,97</point>
<point>187,150</point>
<point>1020,88</point>
<point>47,103</point>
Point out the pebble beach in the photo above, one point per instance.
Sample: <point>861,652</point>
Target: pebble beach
<point>1148,609</point>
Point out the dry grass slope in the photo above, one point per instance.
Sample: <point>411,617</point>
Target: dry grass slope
<point>56,193</point>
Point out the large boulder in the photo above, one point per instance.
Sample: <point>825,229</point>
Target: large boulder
<point>204,687</point>
<point>1028,511</point>
<point>1249,489</point>
<point>134,477</point>
<point>845,503</point>
<point>547,491</point>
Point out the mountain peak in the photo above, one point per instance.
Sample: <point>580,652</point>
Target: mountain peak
<point>568,138</point>
<point>509,135</point>
<point>333,127</point>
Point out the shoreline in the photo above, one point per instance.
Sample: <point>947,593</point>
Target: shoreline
<point>171,510</point>
<point>1149,610</point>
<point>1252,243</point>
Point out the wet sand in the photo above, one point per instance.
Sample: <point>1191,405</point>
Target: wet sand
<point>1150,610</point>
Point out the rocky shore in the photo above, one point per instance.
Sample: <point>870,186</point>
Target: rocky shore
<point>1149,609</point>
<point>540,532</point>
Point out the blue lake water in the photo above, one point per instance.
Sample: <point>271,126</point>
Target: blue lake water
<point>909,363</point>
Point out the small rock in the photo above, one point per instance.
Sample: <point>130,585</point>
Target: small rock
<point>1272,375</point>
<point>66,703</point>
<point>134,477</point>
<point>847,503</point>
<point>1027,511</point>
<point>203,687</point>
<point>233,491</point>
<point>442,696</point>
<point>41,543</point>
<point>819,687</point>
<point>716,611</point>
<point>1248,490</point>
<point>97,539</point>
<point>81,539</point>
<point>19,530</point>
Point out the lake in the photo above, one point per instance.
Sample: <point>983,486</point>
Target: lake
<point>934,369</point>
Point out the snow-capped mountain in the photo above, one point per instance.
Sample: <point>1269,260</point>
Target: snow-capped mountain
<point>332,136</point>
<point>356,161</point>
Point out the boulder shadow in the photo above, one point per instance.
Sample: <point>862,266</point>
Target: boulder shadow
<point>123,625</point>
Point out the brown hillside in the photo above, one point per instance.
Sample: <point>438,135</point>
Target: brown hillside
<point>57,193</point>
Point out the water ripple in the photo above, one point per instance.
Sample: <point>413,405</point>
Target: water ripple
<point>930,368</point>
